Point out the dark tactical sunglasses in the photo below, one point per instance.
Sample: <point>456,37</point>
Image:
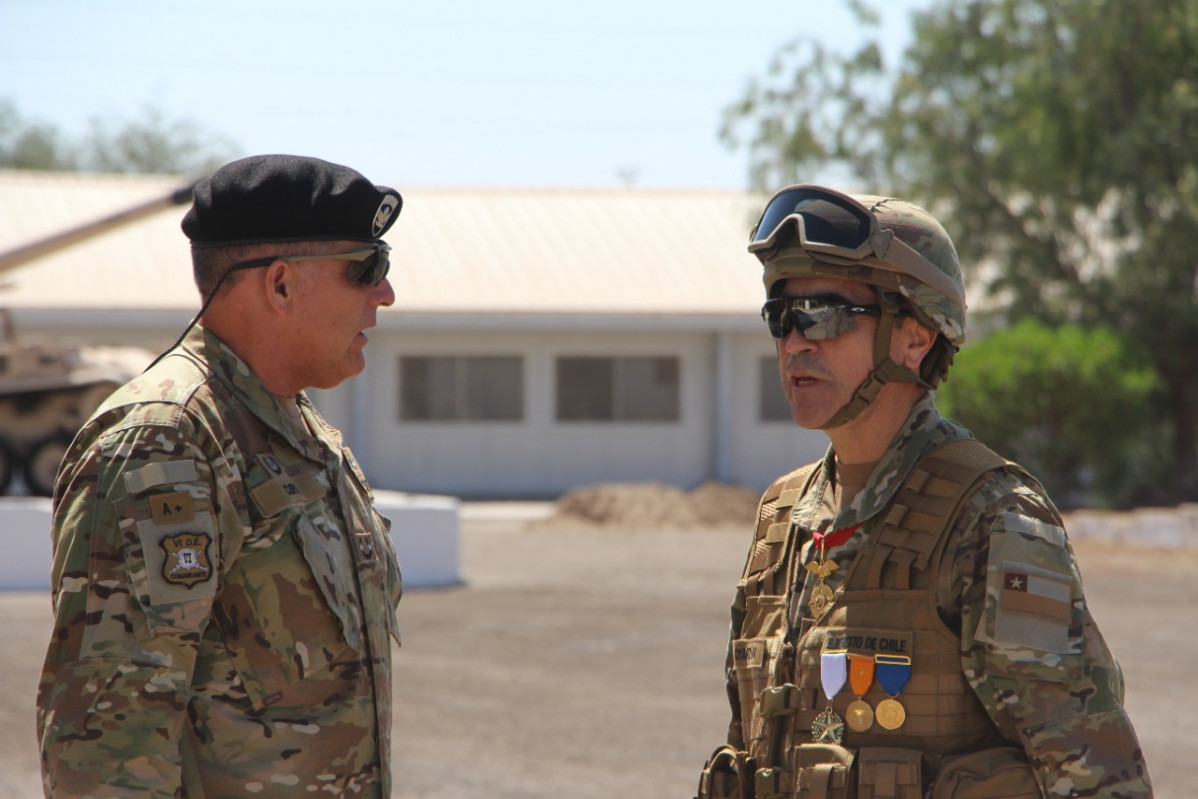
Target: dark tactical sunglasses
<point>368,266</point>
<point>817,318</point>
<point>836,226</point>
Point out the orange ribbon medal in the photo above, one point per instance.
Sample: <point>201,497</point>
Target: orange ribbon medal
<point>860,716</point>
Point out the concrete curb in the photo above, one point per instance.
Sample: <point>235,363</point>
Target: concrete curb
<point>424,529</point>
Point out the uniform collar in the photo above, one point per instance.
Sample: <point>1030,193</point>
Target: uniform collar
<point>923,430</point>
<point>309,436</point>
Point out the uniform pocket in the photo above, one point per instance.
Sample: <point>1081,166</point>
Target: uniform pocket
<point>275,616</point>
<point>1001,773</point>
<point>823,771</point>
<point>889,773</point>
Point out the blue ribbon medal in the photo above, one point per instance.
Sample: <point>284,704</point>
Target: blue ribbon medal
<point>892,672</point>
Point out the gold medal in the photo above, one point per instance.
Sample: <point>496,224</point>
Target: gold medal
<point>859,716</point>
<point>827,728</point>
<point>821,597</point>
<point>893,672</point>
<point>822,594</point>
<point>891,714</point>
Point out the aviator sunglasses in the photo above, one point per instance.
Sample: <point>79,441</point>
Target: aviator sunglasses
<point>816,318</point>
<point>368,266</point>
<point>836,226</point>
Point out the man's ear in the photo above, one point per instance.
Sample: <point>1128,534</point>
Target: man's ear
<point>912,344</point>
<point>278,283</point>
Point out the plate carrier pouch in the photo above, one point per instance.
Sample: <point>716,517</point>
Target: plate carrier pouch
<point>890,587</point>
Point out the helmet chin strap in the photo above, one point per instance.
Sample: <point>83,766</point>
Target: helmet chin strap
<point>885,370</point>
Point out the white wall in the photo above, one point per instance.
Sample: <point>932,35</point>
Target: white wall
<point>537,456</point>
<point>540,457</point>
<point>762,451</point>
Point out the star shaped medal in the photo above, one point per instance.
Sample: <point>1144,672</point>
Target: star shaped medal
<point>828,727</point>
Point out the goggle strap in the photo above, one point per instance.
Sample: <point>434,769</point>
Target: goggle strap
<point>901,255</point>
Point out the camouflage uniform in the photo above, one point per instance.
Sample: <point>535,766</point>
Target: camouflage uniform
<point>1036,663</point>
<point>224,597</point>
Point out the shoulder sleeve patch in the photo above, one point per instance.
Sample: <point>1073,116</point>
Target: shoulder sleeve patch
<point>179,560</point>
<point>1033,608</point>
<point>172,508</point>
<point>159,473</point>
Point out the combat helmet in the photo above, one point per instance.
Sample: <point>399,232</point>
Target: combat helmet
<point>890,244</point>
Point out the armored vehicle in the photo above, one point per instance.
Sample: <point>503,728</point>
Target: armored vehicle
<point>47,392</point>
<point>49,389</point>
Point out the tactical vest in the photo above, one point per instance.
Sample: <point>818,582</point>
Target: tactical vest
<point>886,604</point>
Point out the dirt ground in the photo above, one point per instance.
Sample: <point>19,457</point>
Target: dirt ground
<point>586,661</point>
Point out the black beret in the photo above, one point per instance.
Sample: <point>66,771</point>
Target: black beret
<point>266,198</point>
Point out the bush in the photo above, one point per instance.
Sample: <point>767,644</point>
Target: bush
<point>1077,407</point>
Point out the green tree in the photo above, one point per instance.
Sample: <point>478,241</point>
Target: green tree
<point>30,145</point>
<point>1054,138</point>
<point>1102,451</point>
<point>148,144</point>
<point>151,144</point>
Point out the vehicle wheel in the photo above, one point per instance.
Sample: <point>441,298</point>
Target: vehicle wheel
<point>42,464</point>
<point>7,459</point>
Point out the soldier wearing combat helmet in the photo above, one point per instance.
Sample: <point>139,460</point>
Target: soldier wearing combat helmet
<point>910,620</point>
<point>224,591</point>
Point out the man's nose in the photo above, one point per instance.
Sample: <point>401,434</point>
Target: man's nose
<point>383,293</point>
<point>796,342</point>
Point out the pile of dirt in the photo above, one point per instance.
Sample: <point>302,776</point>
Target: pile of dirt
<point>643,506</point>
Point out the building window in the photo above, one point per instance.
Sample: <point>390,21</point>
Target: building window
<point>634,389</point>
<point>483,388</point>
<point>771,402</point>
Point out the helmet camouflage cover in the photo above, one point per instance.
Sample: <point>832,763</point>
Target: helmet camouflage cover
<point>912,225</point>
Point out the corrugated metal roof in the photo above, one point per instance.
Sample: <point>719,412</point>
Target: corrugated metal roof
<point>142,265</point>
<point>494,250</point>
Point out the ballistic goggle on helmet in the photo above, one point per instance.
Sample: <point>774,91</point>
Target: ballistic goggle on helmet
<point>809,231</point>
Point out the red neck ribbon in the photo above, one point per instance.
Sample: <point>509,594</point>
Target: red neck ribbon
<point>835,538</point>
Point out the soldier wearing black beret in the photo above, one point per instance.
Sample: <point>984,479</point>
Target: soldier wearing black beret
<point>224,590</point>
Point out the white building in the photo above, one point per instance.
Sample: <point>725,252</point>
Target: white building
<point>541,339</point>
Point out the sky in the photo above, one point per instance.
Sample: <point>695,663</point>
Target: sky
<point>430,93</point>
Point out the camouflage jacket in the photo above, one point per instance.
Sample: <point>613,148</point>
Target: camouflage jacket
<point>224,597</point>
<point>1038,665</point>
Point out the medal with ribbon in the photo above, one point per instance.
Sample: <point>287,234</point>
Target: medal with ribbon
<point>860,716</point>
<point>828,728</point>
<point>893,672</point>
<point>822,594</point>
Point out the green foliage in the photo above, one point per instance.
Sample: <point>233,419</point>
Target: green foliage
<point>150,144</point>
<point>28,145</point>
<point>1075,406</point>
<point>155,145</point>
<point>1054,138</point>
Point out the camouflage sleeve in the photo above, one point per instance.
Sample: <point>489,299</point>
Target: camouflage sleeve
<point>137,555</point>
<point>1034,655</point>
